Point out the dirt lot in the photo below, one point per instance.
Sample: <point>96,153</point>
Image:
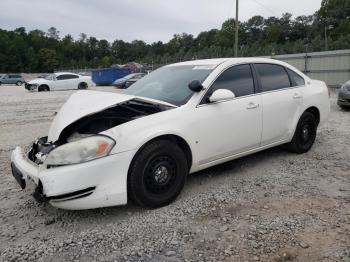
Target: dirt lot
<point>271,206</point>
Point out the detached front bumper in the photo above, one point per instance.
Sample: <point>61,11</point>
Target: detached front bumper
<point>30,87</point>
<point>94,184</point>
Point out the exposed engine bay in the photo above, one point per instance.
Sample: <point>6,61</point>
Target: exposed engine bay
<point>94,124</point>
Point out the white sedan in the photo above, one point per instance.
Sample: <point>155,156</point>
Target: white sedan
<point>104,149</point>
<point>59,81</point>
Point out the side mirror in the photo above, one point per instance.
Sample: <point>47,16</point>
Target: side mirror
<point>195,86</point>
<point>221,95</point>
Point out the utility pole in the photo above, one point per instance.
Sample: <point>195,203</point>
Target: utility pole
<point>325,39</point>
<point>236,33</point>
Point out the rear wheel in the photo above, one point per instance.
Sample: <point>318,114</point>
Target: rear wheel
<point>158,174</point>
<point>305,134</point>
<point>19,83</point>
<point>83,85</point>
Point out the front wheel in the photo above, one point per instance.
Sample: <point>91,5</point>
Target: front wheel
<point>305,134</point>
<point>158,174</point>
<point>43,88</point>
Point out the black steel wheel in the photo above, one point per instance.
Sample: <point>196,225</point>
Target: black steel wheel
<point>43,88</point>
<point>157,174</point>
<point>83,85</point>
<point>305,134</point>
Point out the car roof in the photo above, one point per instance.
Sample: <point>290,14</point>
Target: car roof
<point>65,73</point>
<point>218,61</point>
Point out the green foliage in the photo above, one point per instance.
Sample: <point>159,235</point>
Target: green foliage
<point>37,51</point>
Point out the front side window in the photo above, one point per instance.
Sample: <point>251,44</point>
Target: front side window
<point>296,78</point>
<point>61,77</point>
<point>272,77</point>
<point>238,79</point>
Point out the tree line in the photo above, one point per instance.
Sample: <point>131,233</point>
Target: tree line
<point>38,51</point>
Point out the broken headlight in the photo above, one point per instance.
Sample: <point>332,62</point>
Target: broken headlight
<point>80,151</point>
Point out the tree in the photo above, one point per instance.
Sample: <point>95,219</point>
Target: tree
<point>52,32</point>
<point>47,60</point>
<point>36,51</point>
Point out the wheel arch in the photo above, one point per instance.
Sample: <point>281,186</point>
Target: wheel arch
<point>43,85</point>
<point>315,111</point>
<point>181,142</point>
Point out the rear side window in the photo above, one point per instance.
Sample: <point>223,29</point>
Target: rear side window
<point>71,76</point>
<point>66,77</point>
<point>297,80</point>
<point>272,77</point>
<point>238,79</point>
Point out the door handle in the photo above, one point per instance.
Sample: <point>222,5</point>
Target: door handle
<point>297,96</point>
<point>252,105</point>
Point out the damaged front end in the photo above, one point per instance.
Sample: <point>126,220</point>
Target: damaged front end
<point>93,124</point>
<point>76,137</point>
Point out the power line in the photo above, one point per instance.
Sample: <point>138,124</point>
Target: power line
<point>266,7</point>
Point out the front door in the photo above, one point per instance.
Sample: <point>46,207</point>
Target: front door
<point>227,128</point>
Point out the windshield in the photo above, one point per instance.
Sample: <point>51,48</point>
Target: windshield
<point>130,76</point>
<point>49,77</point>
<point>170,83</point>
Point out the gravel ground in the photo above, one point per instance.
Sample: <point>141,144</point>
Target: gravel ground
<point>270,206</point>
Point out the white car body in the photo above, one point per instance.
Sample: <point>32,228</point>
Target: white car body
<point>214,133</point>
<point>60,81</point>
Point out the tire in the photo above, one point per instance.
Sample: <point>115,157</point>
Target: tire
<point>345,107</point>
<point>19,83</point>
<point>0,83</point>
<point>82,85</point>
<point>43,88</point>
<point>157,174</point>
<point>305,134</point>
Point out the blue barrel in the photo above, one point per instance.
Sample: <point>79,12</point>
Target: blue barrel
<point>107,76</point>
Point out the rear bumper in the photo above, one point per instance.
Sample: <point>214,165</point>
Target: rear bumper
<point>94,184</point>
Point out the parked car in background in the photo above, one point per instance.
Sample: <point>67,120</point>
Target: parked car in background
<point>132,78</point>
<point>59,81</point>
<point>104,149</point>
<point>344,95</point>
<point>12,79</point>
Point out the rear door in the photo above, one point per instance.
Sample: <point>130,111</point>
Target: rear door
<point>281,100</point>
<point>66,81</point>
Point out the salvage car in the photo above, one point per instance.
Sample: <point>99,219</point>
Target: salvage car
<point>12,79</point>
<point>122,82</point>
<point>344,96</point>
<point>59,81</point>
<point>104,149</point>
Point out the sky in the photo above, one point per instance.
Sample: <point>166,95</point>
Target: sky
<point>147,20</point>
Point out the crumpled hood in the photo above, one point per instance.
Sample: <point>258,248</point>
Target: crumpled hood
<point>37,81</point>
<point>84,103</point>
